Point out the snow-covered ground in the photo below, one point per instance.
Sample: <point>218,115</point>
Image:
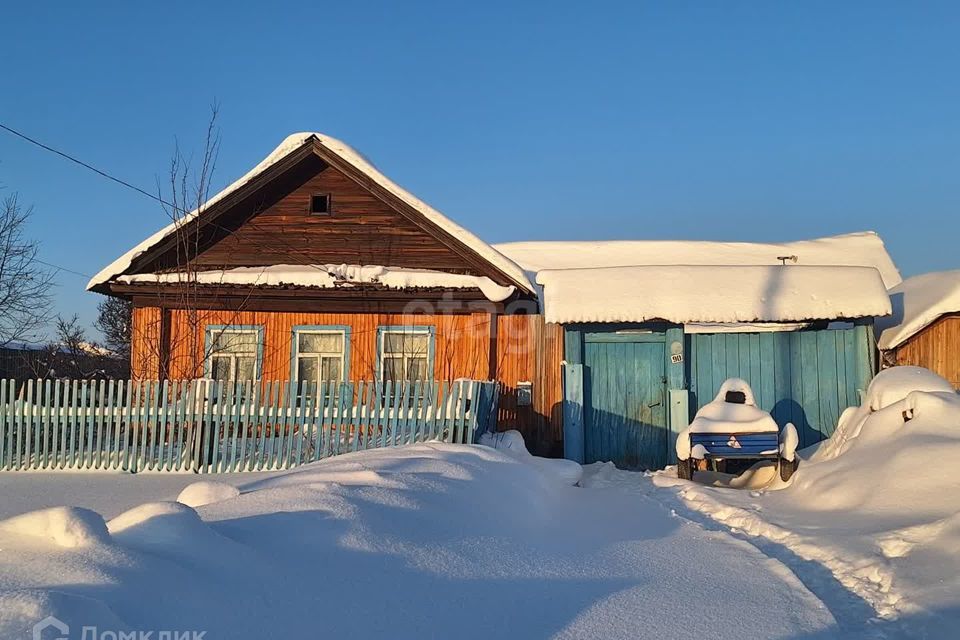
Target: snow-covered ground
<point>437,540</point>
<point>423,541</point>
<point>110,494</point>
<point>871,520</point>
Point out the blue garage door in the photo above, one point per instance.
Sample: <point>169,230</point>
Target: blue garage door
<point>625,400</point>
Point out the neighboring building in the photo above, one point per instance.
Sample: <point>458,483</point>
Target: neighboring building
<point>32,362</point>
<point>653,328</point>
<point>315,266</point>
<point>924,328</point>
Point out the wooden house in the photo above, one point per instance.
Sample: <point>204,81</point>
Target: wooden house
<point>314,266</point>
<point>924,327</point>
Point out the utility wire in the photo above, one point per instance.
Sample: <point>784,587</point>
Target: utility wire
<point>59,268</point>
<point>152,196</point>
<point>85,165</point>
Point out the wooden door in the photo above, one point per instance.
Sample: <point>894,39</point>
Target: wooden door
<point>625,414</point>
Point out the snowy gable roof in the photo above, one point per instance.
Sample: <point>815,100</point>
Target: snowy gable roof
<point>710,293</point>
<point>918,302</point>
<point>357,161</point>
<point>864,249</point>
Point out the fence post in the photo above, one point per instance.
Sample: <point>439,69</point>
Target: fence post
<point>573,428</point>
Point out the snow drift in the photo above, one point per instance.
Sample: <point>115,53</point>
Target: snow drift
<point>409,542</point>
<point>206,492</point>
<point>876,505</point>
<point>511,442</point>
<point>63,526</point>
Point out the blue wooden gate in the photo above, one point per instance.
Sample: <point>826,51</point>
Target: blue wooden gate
<point>624,396</point>
<point>804,377</point>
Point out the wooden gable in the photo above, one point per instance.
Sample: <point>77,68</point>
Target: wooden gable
<point>360,228</point>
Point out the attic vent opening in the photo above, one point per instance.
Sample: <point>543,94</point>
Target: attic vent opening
<point>320,204</point>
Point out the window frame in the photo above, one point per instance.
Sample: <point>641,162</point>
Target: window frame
<point>427,330</point>
<point>342,329</point>
<point>220,329</point>
<point>329,210</point>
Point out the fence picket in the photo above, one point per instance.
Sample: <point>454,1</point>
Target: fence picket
<point>215,426</point>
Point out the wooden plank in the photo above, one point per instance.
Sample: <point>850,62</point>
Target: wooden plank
<point>30,426</point>
<point>19,425</point>
<point>56,449</point>
<point>125,432</point>
<point>827,382</point>
<point>810,387</point>
<point>359,422</point>
<point>767,373</point>
<point>4,424</point>
<point>841,365</point>
<point>573,427</point>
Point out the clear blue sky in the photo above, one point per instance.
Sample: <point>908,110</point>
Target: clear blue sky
<point>553,120</point>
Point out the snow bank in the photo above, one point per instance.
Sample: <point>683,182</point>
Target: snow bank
<point>327,276</point>
<point>511,442</point>
<point>63,526</point>
<point>864,249</point>
<point>352,157</point>
<point>918,302</point>
<point>169,528</point>
<point>876,505</point>
<point>727,294</point>
<point>894,384</point>
<point>205,492</point>
<point>411,542</point>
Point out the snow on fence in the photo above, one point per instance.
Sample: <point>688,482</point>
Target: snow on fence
<point>209,426</point>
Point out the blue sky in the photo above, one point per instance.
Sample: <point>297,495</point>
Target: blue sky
<point>521,120</point>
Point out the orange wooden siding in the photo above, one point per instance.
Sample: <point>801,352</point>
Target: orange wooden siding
<point>937,348</point>
<point>527,350</point>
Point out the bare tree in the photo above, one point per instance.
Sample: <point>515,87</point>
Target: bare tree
<point>114,319</point>
<point>24,282</point>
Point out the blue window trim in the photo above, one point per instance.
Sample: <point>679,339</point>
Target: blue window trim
<point>208,336</point>
<point>297,329</point>
<point>400,328</point>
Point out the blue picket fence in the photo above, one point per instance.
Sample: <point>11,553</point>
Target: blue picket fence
<point>208,426</point>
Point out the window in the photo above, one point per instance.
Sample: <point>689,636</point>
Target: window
<point>320,354</point>
<point>233,353</point>
<point>406,353</point>
<point>320,203</point>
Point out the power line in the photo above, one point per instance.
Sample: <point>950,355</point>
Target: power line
<point>59,268</point>
<point>83,164</point>
<point>152,196</point>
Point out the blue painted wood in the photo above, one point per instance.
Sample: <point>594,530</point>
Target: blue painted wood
<point>805,377</point>
<point>625,400</point>
<point>211,426</point>
<point>679,416</point>
<point>573,434</point>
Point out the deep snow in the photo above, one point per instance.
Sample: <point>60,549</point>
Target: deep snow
<point>870,521</point>
<point>428,540</point>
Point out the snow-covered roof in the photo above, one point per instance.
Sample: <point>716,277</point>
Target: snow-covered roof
<point>917,302</point>
<point>711,293</point>
<point>864,249</point>
<point>358,162</point>
<point>328,276</point>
